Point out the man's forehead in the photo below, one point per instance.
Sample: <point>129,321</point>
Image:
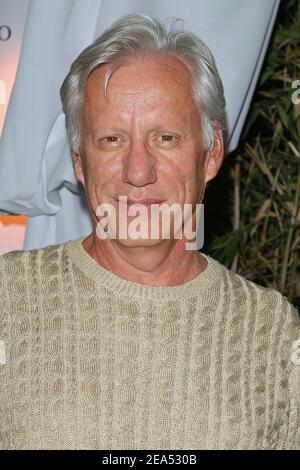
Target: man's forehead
<point>136,77</point>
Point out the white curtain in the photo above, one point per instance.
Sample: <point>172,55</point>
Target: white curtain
<point>36,175</point>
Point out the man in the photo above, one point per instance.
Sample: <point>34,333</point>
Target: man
<point>36,174</point>
<point>120,341</point>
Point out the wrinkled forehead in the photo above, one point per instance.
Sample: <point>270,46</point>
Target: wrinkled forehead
<point>162,82</point>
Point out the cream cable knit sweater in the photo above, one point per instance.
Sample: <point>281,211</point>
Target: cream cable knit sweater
<point>91,361</point>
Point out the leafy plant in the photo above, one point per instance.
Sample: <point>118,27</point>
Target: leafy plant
<point>261,237</point>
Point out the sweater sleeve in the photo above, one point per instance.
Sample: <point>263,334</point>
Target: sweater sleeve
<point>293,426</point>
<point>5,424</point>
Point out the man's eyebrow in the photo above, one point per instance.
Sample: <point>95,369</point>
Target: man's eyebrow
<point>98,129</point>
<point>158,128</point>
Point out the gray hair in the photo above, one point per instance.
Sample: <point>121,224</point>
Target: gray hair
<point>140,35</point>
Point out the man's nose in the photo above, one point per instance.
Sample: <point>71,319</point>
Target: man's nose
<point>139,166</point>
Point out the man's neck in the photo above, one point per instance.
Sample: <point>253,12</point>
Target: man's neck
<point>165,264</point>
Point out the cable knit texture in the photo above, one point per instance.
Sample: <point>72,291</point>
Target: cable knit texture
<point>92,361</point>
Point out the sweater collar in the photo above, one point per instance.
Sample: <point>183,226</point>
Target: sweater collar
<point>107,279</point>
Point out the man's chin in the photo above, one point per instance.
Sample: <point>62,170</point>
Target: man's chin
<point>139,243</point>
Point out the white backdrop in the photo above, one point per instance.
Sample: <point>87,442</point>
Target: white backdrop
<point>36,175</point>
<point>13,16</point>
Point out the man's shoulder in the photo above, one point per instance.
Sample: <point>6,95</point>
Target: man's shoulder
<point>263,300</point>
<point>249,298</point>
<point>16,256</point>
<point>19,264</point>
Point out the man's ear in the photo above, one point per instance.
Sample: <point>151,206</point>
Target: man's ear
<point>78,167</point>
<point>215,155</point>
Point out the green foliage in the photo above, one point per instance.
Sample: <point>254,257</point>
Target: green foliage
<point>263,241</point>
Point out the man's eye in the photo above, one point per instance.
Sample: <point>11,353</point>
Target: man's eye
<point>110,142</point>
<point>167,138</point>
<point>111,138</point>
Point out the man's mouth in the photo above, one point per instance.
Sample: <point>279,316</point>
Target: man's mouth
<point>145,202</point>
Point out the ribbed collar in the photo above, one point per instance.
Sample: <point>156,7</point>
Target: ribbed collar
<point>197,286</point>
